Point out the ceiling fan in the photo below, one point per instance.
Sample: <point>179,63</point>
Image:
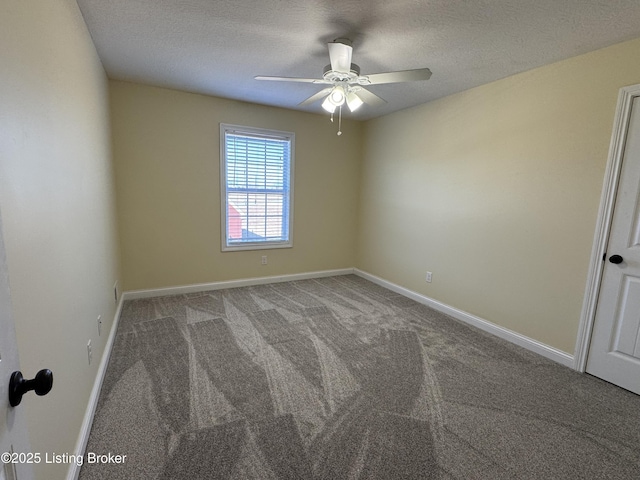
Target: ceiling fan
<point>346,85</point>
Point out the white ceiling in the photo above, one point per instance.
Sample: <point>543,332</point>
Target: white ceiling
<point>216,47</point>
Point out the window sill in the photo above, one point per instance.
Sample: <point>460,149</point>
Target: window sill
<point>256,246</point>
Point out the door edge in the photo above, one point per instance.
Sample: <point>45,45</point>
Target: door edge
<point>622,117</point>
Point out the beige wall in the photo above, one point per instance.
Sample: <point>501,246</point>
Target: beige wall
<point>496,190</point>
<point>57,208</point>
<point>166,152</point>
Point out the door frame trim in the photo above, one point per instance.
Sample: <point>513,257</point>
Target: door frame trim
<point>603,224</point>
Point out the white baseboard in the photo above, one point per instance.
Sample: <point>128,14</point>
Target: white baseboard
<point>521,340</point>
<point>247,282</point>
<point>87,422</point>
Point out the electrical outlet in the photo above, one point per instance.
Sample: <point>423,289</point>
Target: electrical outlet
<point>264,259</point>
<point>89,352</point>
<point>99,325</point>
<point>429,277</point>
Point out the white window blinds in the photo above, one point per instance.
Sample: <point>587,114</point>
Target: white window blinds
<point>256,176</point>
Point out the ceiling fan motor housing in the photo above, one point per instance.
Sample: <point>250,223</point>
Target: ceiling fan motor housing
<point>350,77</point>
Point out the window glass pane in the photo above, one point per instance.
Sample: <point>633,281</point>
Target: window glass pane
<point>256,173</point>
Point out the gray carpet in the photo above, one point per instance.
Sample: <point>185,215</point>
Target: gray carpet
<point>338,378</point>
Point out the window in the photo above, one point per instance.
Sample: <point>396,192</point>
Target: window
<point>256,171</point>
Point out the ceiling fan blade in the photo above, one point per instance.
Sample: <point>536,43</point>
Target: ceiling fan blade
<point>395,77</point>
<point>316,96</point>
<point>370,98</point>
<point>291,79</point>
<point>340,55</point>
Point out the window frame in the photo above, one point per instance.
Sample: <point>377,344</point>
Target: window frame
<point>226,128</point>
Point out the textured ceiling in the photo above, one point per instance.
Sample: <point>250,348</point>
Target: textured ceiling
<point>216,47</point>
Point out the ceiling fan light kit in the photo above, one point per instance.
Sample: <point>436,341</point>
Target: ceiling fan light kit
<point>328,105</point>
<point>337,95</point>
<point>353,101</point>
<point>346,83</point>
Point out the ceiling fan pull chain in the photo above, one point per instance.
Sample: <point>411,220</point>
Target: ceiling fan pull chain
<point>340,121</point>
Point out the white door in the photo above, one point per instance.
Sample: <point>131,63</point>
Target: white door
<point>13,430</point>
<point>614,352</point>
